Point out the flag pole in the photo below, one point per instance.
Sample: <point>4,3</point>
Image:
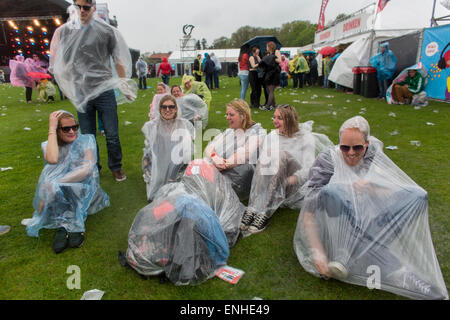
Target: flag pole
<point>433,22</point>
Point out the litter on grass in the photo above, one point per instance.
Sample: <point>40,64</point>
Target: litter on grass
<point>391,114</point>
<point>27,129</point>
<point>394,133</point>
<point>94,294</point>
<point>5,169</point>
<point>392,148</point>
<point>415,143</point>
<point>430,124</point>
<point>127,123</point>
<point>229,274</point>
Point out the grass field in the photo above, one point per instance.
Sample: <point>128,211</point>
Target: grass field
<point>30,270</point>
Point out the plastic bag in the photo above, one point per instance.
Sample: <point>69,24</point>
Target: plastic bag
<point>372,216</point>
<point>179,236</point>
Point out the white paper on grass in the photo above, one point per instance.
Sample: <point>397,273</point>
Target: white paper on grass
<point>94,294</point>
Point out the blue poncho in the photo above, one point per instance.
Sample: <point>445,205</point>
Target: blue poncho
<point>69,190</point>
<point>384,63</point>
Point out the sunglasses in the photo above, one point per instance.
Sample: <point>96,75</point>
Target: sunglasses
<point>171,107</point>
<point>85,8</point>
<point>357,148</point>
<point>67,129</point>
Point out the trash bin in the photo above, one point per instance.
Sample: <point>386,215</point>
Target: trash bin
<point>369,82</point>
<point>356,80</point>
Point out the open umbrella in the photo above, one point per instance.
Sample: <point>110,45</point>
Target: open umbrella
<point>308,53</point>
<point>261,42</point>
<point>38,75</point>
<point>326,51</point>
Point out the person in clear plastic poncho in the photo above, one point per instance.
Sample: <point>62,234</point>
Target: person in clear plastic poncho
<point>68,188</point>
<point>365,222</point>
<point>89,57</point>
<point>192,107</point>
<point>189,85</point>
<point>178,237</point>
<point>18,76</point>
<point>92,65</point>
<point>162,90</point>
<point>286,156</point>
<point>168,146</point>
<point>234,152</point>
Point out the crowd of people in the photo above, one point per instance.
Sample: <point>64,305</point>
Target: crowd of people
<point>357,208</point>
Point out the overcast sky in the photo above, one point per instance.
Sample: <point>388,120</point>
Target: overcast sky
<point>157,25</point>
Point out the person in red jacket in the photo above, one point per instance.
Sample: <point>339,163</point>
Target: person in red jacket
<point>166,71</point>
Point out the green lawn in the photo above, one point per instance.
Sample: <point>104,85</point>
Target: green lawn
<point>30,270</point>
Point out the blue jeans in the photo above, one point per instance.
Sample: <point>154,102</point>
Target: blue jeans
<point>216,78</point>
<point>383,85</point>
<point>106,107</point>
<point>283,80</point>
<point>166,78</point>
<point>244,85</point>
<point>325,81</point>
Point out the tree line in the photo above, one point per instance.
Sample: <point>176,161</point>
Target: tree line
<point>292,34</point>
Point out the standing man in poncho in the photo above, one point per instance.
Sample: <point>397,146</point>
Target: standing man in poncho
<point>385,63</point>
<point>90,59</point>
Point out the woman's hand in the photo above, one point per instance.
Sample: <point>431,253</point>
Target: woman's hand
<point>219,162</point>
<point>53,121</point>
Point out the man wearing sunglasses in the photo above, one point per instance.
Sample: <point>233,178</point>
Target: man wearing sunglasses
<point>90,60</point>
<point>361,211</point>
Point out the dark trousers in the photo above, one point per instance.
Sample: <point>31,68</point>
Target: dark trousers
<point>106,107</point>
<point>216,79</point>
<point>295,77</point>
<point>301,79</point>
<point>256,85</point>
<point>166,78</point>
<point>197,77</point>
<point>143,82</point>
<point>28,93</point>
<point>209,80</point>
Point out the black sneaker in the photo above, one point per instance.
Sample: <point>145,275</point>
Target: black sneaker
<point>247,219</point>
<point>76,239</point>
<point>259,224</point>
<point>61,240</point>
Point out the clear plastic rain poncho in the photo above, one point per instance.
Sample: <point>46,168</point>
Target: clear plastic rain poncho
<point>419,98</point>
<point>202,180</point>
<point>179,236</point>
<point>19,70</point>
<point>370,222</point>
<point>154,106</point>
<point>168,149</point>
<point>69,190</point>
<point>246,145</point>
<point>197,87</point>
<point>193,108</point>
<point>283,167</point>
<point>88,60</point>
<point>385,63</point>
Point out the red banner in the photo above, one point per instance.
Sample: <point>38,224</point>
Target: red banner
<point>321,24</point>
<point>382,4</point>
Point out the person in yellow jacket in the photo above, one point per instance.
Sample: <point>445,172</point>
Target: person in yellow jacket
<point>189,85</point>
<point>197,71</point>
<point>293,64</point>
<point>302,69</point>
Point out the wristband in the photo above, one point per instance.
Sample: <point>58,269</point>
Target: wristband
<point>213,155</point>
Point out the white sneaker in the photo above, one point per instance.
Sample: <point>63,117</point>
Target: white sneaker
<point>337,270</point>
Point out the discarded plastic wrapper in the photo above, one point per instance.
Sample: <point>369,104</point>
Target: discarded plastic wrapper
<point>394,133</point>
<point>5,169</point>
<point>391,114</point>
<point>392,148</point>
<point>436,111</point>
<point>94,294</point>
<point>417,108</point>
<point>25,222</point>
<point>3,114</point>
<point>27,129</point>
<point>218,112</point>
<point>415,143</point>
<point>430,124</point>
<point>127,123</point>
<point>229,274</point>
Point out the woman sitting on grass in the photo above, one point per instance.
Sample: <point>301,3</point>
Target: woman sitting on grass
<point>234,152</point>
<point>68,188</point>
<point>161,91</point>
<point>189,85</point>
<point>192,107</point>
<point>168,146</point>
<point>283,166</point>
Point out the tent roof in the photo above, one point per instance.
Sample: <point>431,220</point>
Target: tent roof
<point>32,8</point>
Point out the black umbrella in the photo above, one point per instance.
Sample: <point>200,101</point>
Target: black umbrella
<point>261,42</point>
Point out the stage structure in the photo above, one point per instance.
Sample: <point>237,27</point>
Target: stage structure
<point>187,50</point>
